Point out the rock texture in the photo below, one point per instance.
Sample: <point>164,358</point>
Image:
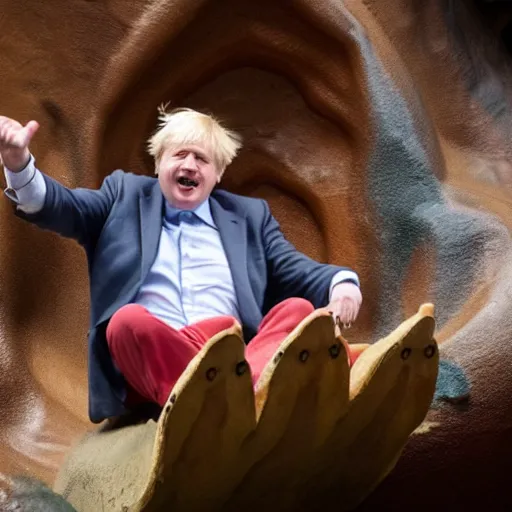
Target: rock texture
<point>378,131</point>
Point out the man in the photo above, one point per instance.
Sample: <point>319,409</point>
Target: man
<point>173,262</point>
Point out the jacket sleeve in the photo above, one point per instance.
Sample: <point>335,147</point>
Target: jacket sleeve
<point>290,272</point>
<point>76,213</point>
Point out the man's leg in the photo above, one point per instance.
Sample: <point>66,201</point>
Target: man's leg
<point>152,355</point>
<point>280,321</point>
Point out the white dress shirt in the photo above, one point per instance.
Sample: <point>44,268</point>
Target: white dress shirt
<point>190,279</point>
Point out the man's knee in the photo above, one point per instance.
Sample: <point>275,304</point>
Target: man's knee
<point>226,322</point>
<point>123,320</point>
<point>299,306</point>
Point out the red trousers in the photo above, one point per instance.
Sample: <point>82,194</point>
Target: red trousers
<point>152,355</point>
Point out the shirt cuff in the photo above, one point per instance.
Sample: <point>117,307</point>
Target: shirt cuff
<point>26,188</point>
<point>344,276</point>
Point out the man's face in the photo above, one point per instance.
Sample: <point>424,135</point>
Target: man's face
<point>187,175</point>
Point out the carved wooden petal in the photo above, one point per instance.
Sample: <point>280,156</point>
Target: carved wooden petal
<point>306,392</point>
<point>200,435</point>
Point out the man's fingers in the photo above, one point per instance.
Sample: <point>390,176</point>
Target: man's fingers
<point>356,311</point>
<point>345,307</point>
<point>3,131</point>
<point>19,140</point>
<point>334,308</point>
<point>348,311</point>
<point>3,123</point>
<point>31,128</point>
<point>6,126</point>
<point>8,137</point>
<point>352,311</point>
<point>341,313</point>
<point>13,135</point>
<point>25,135</point>
<point>345,313</point>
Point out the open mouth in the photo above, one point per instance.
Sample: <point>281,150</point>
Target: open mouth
<point>187,182</point>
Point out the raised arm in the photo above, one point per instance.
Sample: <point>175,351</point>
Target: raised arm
<point>75,213</point>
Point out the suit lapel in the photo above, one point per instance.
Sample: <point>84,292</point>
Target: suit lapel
<point>233,234</point>
<point>151,212</point>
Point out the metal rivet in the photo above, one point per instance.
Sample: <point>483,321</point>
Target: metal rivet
<point>406,352</point>
<point>303,356</point>
<point>241,368</point>
<point>211,373</point>
<point>429,351</point>
<point>278,357</point>
<point>172,399</point>
<point>335,350</point>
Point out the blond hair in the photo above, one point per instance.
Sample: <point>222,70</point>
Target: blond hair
<point>183,126</point>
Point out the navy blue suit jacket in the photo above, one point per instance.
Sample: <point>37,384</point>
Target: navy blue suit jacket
<point>119,227</point>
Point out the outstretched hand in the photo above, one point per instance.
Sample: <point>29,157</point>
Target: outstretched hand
<point>345,303</point>
<point>14,141</point>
